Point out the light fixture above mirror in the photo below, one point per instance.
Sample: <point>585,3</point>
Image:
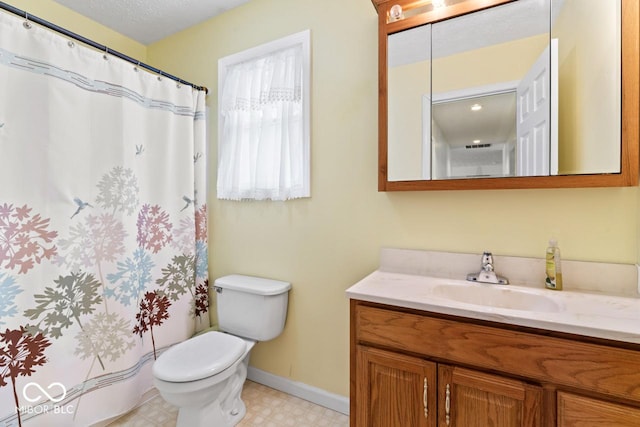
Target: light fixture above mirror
<point>397,12</point>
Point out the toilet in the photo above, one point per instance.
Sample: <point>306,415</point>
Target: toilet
<point>204,375</point>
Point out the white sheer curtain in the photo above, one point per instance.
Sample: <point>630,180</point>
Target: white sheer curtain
<point>262,141</point>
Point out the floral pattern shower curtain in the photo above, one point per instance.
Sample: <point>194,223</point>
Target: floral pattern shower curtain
<point>103,238</point>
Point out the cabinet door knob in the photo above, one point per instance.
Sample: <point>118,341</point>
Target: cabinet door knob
<point>447,405</point>
<point>425,392</point>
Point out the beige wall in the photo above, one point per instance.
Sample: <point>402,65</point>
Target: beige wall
<point>500,63</point>
<point>326,243</point>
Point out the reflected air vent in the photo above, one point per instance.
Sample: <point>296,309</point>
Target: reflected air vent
<point>478,146</point>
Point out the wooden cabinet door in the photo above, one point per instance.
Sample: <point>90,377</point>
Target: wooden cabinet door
<point>580,411</point>
<point>476,399</point>
<point>394,390</point>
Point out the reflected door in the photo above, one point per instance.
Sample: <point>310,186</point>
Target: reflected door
<point>537,113</point>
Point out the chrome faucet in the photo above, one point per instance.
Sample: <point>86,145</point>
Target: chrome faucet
<point>486,274</point>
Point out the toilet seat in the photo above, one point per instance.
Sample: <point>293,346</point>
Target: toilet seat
<point>199,357</point>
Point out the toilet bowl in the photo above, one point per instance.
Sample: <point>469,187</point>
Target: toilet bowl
<point>204,375</point>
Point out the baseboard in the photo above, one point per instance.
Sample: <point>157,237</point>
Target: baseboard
<point>303,391</point>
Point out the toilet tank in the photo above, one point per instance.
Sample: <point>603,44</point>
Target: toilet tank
<point>251,307</point>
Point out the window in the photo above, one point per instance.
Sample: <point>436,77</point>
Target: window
<point>264,121</point>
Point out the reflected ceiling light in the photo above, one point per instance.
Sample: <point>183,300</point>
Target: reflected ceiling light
<point>476,107</point>
<point>476,141</point>
<point>437,3</point>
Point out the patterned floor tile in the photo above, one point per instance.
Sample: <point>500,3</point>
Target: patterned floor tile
<point>266,407</point>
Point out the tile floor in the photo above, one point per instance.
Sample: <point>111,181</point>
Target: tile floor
<point>266,407</point>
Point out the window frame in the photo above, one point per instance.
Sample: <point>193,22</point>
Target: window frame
<point>302,38</point>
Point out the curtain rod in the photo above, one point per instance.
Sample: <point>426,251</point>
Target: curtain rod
<point>93,44</point>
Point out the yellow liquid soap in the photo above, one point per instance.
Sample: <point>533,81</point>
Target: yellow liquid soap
<point>553,269</point>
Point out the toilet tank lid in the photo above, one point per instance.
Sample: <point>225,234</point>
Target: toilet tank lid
<point>253,285</point>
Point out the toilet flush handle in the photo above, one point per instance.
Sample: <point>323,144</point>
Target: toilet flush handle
<point>218,289</point>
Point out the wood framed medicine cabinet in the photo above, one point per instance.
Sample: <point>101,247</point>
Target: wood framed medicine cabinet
<point>419,13</point>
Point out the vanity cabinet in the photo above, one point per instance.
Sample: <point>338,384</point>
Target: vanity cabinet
<point>580,411</point>
<point>395,389</point>
<point>474,398</point>
<point>400,390</point>
<point>416,368</point>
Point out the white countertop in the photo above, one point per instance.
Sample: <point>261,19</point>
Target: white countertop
<point>590,314</point>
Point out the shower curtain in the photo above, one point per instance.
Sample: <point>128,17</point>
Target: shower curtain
<point>103,236</point>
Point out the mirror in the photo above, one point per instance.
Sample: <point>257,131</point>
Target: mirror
<point>409,103</point>
<point>495,67</point>
<point>527,91</point>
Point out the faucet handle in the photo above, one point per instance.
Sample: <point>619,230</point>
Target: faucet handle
<point>486,274</point>
<point>487,261</point>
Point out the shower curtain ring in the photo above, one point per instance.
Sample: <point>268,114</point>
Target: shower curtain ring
<point>26,22</point>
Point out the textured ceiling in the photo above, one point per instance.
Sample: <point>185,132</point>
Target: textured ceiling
<point>148,21</point>
<point>512,21</point>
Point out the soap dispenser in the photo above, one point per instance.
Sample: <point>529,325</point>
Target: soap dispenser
<point>553,268</point>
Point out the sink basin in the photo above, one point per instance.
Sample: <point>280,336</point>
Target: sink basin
<point>497,296</point>
<point>583,313</point>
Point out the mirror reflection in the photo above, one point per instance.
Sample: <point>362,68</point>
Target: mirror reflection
<point>409,104</point>
<point>474,136</point>
<point>508,91</point>
<point>589,56</point>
